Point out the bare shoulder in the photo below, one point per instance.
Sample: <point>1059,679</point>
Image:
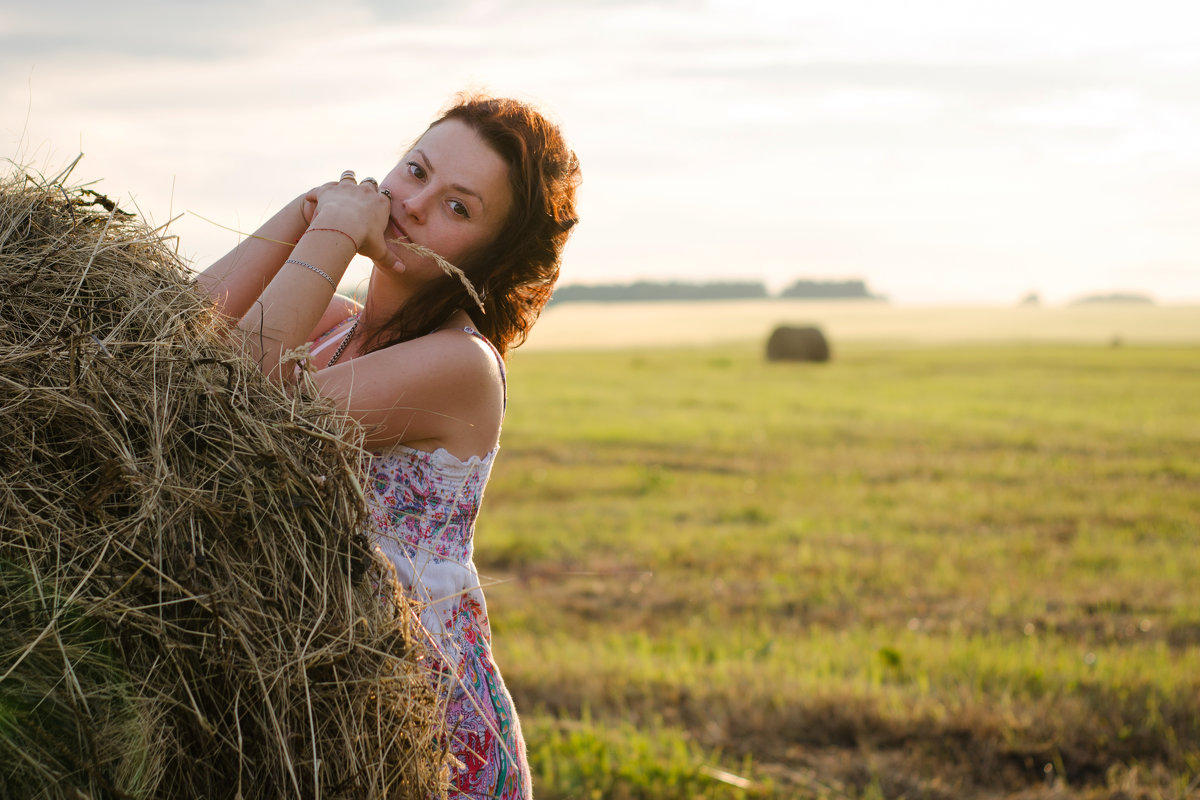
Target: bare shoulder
<point>443,389</point>
<point>468,356</point>
<point>449,358</point>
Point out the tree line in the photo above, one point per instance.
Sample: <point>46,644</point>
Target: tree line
<point>716,290</point>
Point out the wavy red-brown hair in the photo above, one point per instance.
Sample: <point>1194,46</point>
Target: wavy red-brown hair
<point>516,274</point>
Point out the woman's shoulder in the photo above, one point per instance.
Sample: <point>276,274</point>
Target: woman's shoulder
<point>444,389</point>
<point>451,354</point>
<point>462,349</point>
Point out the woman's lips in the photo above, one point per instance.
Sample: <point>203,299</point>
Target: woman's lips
<point>402,234</point>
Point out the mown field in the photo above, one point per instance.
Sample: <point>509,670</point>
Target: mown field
<point>921,572</point>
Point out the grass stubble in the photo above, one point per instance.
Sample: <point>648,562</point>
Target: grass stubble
<point>915,572</point>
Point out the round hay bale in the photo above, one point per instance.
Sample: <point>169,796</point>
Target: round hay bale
<point>188,603</point>
<point>43,730</point>
<point>797,343</point>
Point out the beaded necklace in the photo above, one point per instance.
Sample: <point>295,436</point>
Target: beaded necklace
<point>345,341</point>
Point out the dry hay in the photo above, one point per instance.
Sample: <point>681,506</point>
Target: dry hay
<point>187,598</point>
<point>792,343</point>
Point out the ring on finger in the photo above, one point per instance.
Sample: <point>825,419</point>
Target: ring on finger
<point>372,180</point>
<point>347,174</point>
<point>386,192</point>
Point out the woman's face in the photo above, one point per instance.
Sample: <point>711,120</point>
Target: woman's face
<point>451,194</point>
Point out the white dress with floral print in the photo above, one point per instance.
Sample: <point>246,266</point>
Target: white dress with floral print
<point>424,506</point>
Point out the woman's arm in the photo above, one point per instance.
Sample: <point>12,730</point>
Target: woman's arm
<point>239,278</point>
<point>349,218</point>
<point>340,309</point>
<point>294,301</point>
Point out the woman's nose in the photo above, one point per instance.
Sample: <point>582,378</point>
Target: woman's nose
<point>415,205</point>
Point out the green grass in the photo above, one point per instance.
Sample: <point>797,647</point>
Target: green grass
<point>921,572</point>
<point>70,724</point>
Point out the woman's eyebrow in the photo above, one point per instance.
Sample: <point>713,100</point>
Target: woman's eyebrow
<point>458,187</point>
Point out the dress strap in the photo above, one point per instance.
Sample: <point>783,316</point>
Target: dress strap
<point>499,360</point>
<point>327,339</point>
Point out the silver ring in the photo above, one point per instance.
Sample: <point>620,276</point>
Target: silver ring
<point>372,180</point>
<point>386,192</point>
<point>347,174</point>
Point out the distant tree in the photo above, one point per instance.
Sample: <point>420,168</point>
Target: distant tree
<point>715,290</point>
<point>840,290</point>
<point>649,291</point>
<point>1115,297</point>
<point>1030,299</point>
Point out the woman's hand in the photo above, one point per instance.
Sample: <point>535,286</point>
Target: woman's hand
<point>308,207</point>
<point>359,211</point>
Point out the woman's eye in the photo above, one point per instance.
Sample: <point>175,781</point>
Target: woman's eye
<point>416,170</point>
<point>459,209</point>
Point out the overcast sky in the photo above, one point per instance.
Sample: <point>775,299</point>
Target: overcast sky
<point>946,152</point>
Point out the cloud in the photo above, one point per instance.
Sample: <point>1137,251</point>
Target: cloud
<point>719,137</point>
<point>82,30</point>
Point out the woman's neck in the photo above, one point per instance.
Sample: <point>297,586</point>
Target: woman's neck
<point>385,297</point>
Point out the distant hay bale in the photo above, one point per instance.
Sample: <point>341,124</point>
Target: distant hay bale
<point>188,603</point>
<point>793,343</point>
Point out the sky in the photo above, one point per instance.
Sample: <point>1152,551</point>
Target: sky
<point>958,152</point>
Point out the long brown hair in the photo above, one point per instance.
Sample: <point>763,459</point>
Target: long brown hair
<point>515,275</point>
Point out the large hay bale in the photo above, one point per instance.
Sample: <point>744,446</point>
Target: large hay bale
<point>797,343</point>
<point>188,603</point>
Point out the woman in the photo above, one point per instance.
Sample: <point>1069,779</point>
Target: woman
<point>490,188</point>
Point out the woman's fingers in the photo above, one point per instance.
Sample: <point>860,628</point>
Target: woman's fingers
<point>314,194</point>
<point>389,262</point>
<point>357,209</point>
<point>374,245</point>
<point>360,210</point>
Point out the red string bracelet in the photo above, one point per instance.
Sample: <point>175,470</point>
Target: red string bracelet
<point>335,230</point>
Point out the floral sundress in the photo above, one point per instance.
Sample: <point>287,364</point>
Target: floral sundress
<point>424,506</point>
